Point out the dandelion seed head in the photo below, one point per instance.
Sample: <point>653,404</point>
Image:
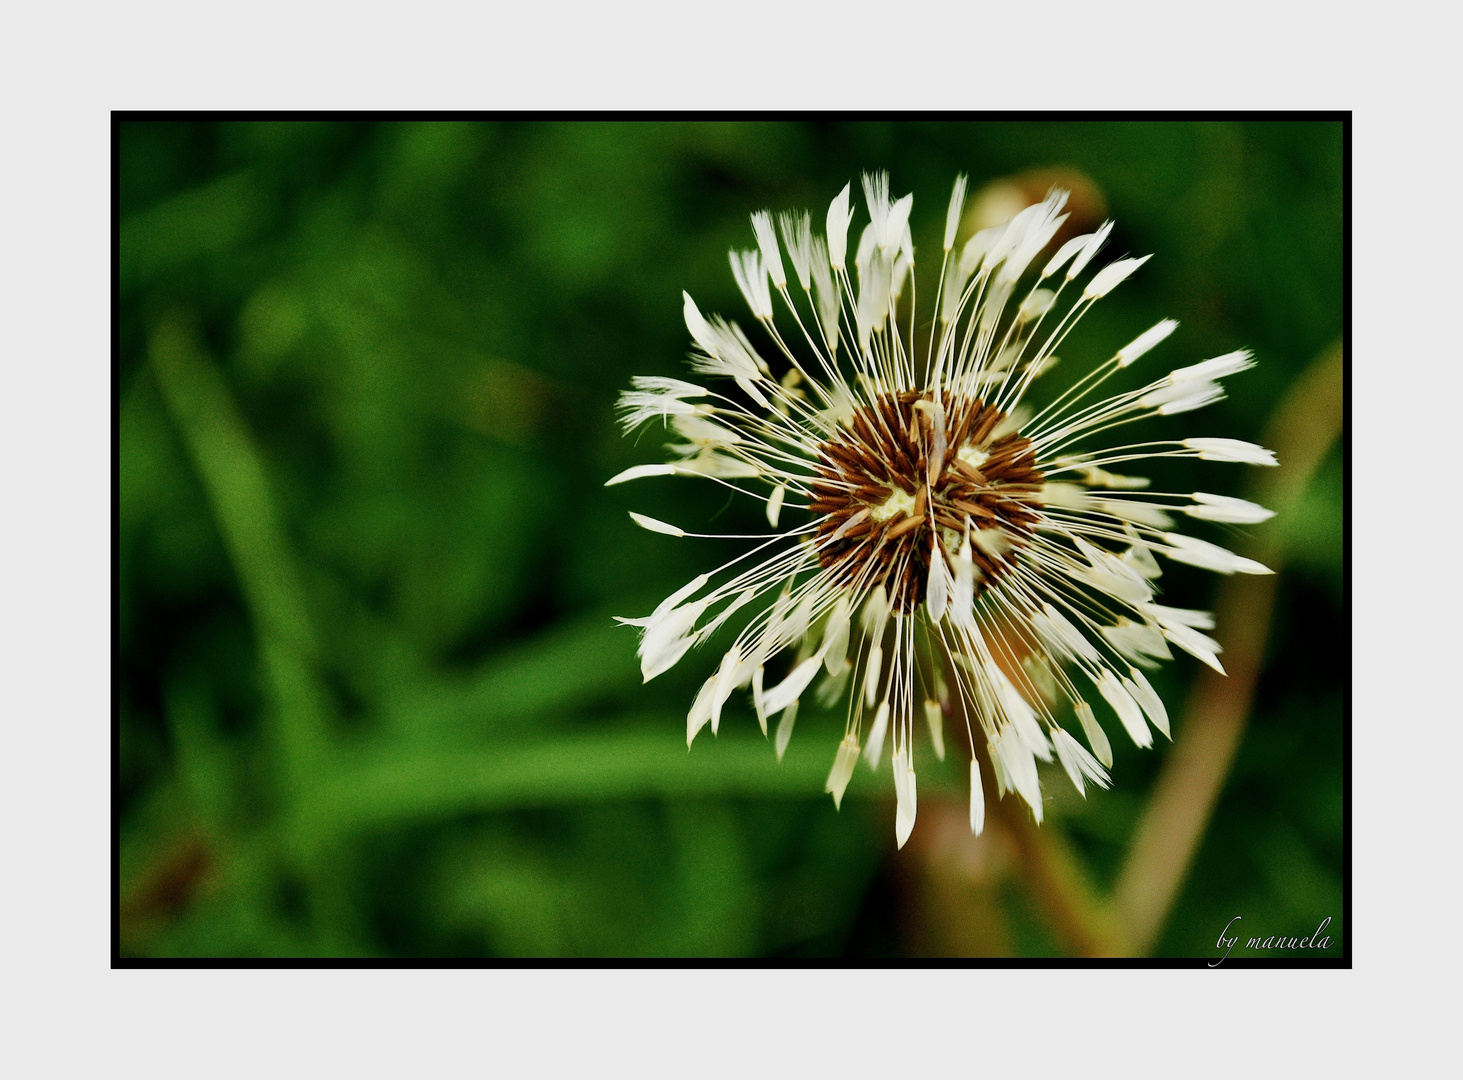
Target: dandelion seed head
<point>940,547</point>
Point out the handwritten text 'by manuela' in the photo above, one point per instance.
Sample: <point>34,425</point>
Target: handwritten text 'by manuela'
<point>1314,941</point>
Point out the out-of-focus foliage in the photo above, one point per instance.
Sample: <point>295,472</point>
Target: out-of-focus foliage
<point>371,700</point>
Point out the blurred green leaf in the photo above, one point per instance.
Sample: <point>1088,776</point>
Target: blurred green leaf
<point>244,509</point>
<point>209,220</point>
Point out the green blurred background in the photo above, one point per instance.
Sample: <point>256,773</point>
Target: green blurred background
<point>371,701</point>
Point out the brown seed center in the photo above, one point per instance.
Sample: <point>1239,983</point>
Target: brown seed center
<point>876,491</point>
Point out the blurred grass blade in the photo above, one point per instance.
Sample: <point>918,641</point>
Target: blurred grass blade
<point>559,670</point>
<point>395,789</point>
<point>232,473</point>
<point>200,757</point>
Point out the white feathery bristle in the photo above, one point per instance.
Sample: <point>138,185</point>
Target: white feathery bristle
<point>1142,513</point>
<point>791,688</point>
<point>1235,450</point>
<point>835,637</point>
<point>697,325</point>
<point>875,749</point>
<point>829,298</point>
<point>1020,768</point>
<point>1141,559</point>
<point>1111,276</point>
<point>1226,509</point>
<point>896,226</point>
<point>1127,709</point>
<point>784,729</point>
<point>773,637</point>
<point>1146,638</point>
<point>998,769</point>
<point>842,772</point>
<point>635,472</point>
<point>685,592</point>
<point>1131,689</point>
<point>1094,242</point>
<point>898,276</point>
<point>1145,341</point>
<point>875,615</point>
<point>963,595</point>
<point>876,195</point>
<point>1061,634</point>
<point>708,463</point>
<point>636,407</point>
<point>1039,674</point>
<point>728,352</point>
<point>700,712</point>
<point>994,542</point>
<point>797,622</point>
<point>973,254</point>
<point>797,234</point>
<point>1036,304</point>
<point>939,440</point>
<point>1078,762</point>
<point>667,637</point>
<point>673,388</point>
<point>1006,239</point>
<point>871,676</point>
<point>1144,694</point>
<point>1018,711</point>
<point>952,215</point>
<point>743,598</point>
<point>774,504</point>
<point>1093,730</point>
<point>700,432</point>
<point>905,805</point>
<point>935,719</point>
<point>1136,640</point>
<point>977,799</point>
<point>1011,234</point>
<point>750,273</point>
<point>727,676</point>
<point>1176,616</point>
<point>831,689</point>
<point>1065,495</point>
<point>1165,393</point>
<point>655,526</point>
<point>863,255</point>
<point>839,215</point>
<point>1065,252</point>
<point>1215,368</point>
<point>937,591</point>
<point>1065,744</point>
<point>1113,576</point>
<point>767,242</point>
<point>1041,223</point>
<point>1203,394</point>
<point>1201,553</point>
<point>1196,644</point>
<point>872,308</point>
<point>1102,478</point>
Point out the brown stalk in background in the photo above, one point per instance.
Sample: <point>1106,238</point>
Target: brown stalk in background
<point>1301,432</point>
